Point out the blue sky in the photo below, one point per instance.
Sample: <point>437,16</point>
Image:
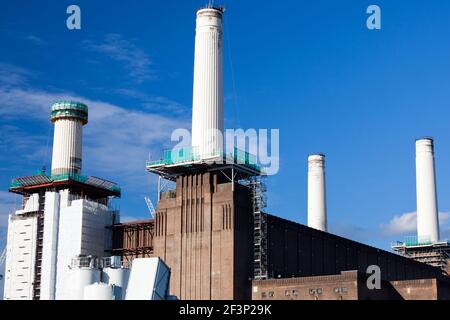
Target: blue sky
<point>309,68</point>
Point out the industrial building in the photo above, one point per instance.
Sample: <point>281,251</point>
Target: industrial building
<point>60,244</point>
<point>212,230</point>
<point>210,236</point>
<point>64,215</point>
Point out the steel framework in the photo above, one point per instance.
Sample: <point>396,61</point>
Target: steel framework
<point>259,202</point>
<point>133,240</point>
<point>436,254</point>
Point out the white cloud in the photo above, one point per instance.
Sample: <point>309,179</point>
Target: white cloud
<point>152,102</point>
<point>117,140</point>
<point>31,148</point>
<point>11,75</point>
<point>407,223</point>
<point>36,40</point>
<point>136,60</point>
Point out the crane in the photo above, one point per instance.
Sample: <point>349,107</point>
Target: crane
<point>150,206</point>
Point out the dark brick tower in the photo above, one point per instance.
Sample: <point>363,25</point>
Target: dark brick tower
<point>204,232</point>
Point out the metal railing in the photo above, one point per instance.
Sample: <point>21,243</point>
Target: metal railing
<point>191,154</point>
<point>413,241</point>
<point>17,183</point>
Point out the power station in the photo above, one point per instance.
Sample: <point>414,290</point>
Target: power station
<point>211,237</point>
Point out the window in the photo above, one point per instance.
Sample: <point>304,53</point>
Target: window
<point>312,291</point>
<point>287,293</point>
<point>319,291</point>
<point>295,292</point>
<point>340,290</point>
<point>263,294</point>
<point>271,294</point>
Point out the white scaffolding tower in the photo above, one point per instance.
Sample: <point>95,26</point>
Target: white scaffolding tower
<point>259,202</point>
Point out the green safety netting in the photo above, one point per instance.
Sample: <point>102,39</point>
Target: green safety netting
<point>417,241</point>
<point>189,154</point>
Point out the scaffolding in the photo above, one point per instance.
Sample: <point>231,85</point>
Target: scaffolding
<point>38,263</point>
<point>179,162</point>
<point>259,202</point>
<point>29,184</point>
<point>133,240</point>
<point>436,254</point>
<point>39,247</point>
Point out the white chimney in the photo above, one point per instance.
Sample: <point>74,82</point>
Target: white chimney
<point>207,105</point>
<point>317,206</point>
<point>427,209</point>
<point>69,118</point>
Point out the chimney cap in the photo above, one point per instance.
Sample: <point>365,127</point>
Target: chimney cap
<point>317,154</point>
<point>209,7</point>
<point>69,109</point>
<point>425,138</point>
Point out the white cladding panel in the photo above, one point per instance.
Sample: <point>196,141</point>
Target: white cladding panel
<point>67,146</point>
<point>317,206</point>
<point>31,204</point>
<point>99,291</point>
<point>20,257</point>
<point>207,104</point>
<point>119,278</point>
<point>149,280</point>
<point>79,278</point>
<point>82,231</point>
<point>427,208</point>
